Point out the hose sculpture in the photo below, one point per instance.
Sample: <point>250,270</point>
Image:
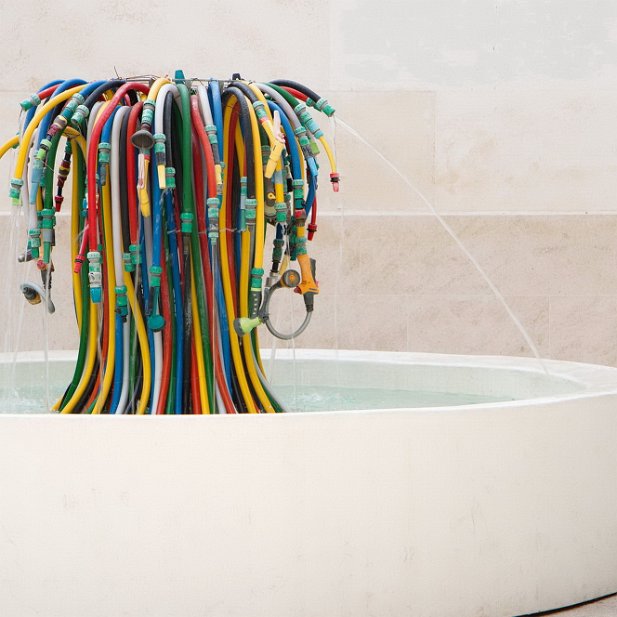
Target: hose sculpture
<point>174,184</point>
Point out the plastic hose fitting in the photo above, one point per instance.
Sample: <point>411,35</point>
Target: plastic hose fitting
<point>323,106</point>
<point>213,217</point>
<point>156,321</point>
<point>307,120</point>
<point>15,191</point>
<point>81,113</point>
<point>250,211</point>
<point>104,158</point>
<point>170,177</point>
<point>281,211</point>
<point>48,222</point>
<point>135,255</point>
<point>161,159</point>
<point>95,277</point>
<point>128,265</point>
<point>243,191</point>
<point>121,301</point>
<point>186,224</point>
<point>32,101</point>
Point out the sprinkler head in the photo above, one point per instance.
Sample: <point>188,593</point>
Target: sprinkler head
<point>143,139</point>
<point>290,278</point>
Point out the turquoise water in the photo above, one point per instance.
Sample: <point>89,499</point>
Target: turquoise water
<point>24,389</point>
<point>328,398</point>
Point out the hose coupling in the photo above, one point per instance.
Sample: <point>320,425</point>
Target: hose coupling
<point>81,113</point>
<point>32,101</point>
<point>15,191</point>
<point>323,106</point>
<point>161,159</point>
<point>95,277</point>
<point>121,301</point>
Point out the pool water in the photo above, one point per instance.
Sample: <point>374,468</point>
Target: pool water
<point>31,387</point>
<point>311,398</point>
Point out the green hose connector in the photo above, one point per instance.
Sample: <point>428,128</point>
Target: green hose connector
<point>281,211</point>
<point>147,116</point>
<point>304,141</point>
<point>81,113</point>
<point>314,147</point>
<point>298,192</point>
<point>15,191</point>
<point>323,106</point>
<point>121,301</point>
<point>159,147</point>
<point>160,158</point>
<point>186,219</point>
<point>277,251</point>
<point>256,277</point>
<point>104,152</point>
<point>156,321</point>
<point>213,217</point>
<point>44,147</point>
<point>48,222</point>
<point>250,210</point>
<point>300,246</point>
<point>155,276</point>
<point>95,277</point>
<point>242,208</point>
<point>212,134</point>
<point>260,112</point>
<point>135,255</point>
<point>127,263</point>
<point>34,242</point>
<point>104,158</point>
<point>255,291</point>
<point>170,177</point>
<point>307,120</point>
<point>32,101</point>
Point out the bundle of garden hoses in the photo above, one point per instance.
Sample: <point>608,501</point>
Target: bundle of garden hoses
<point>175,184</point>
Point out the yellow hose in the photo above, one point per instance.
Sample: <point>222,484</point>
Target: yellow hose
<point>329,154</point>
<point>227,290</point>
<point>201,370</point>
<point>9,145</point>
<point>90,358</point>
<point>29,132</point>
<point>257,262</point>
<point>108,374</point>
<point>143,343</point>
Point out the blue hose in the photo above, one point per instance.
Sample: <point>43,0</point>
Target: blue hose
<point>179,308</point>
<point>30,113</point>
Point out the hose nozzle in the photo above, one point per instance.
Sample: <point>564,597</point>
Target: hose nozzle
<point>245,325</point>
<point>35,294</point>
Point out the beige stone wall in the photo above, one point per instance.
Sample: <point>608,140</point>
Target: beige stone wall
<point>501,113</point>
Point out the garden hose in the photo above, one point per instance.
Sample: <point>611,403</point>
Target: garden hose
<point>174,183</point>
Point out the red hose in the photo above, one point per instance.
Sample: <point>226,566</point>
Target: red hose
<point>93,145</point>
